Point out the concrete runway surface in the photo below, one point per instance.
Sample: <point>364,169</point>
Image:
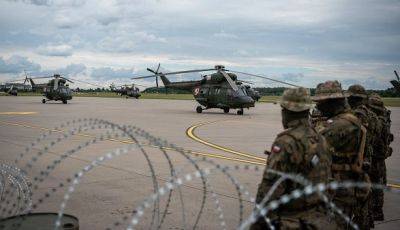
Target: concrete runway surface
<point>112,190</point>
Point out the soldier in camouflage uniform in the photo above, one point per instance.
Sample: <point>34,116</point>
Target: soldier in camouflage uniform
<point>382,150</point>
<point>345,134</point>
<point>297,150</point>
<point>358,99</point>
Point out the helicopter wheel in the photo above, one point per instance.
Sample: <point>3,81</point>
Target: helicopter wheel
<point>199,109</point>
<point>64,101</point>
<point>226,110</point>
<point>240,112</point>
<point>43,101</point>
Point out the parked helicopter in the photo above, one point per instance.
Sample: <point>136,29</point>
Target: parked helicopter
<point>56,89</point>
<point>126,90</point>
<point>396,83</point>
<point>9,89</point>
<point>220,90</point>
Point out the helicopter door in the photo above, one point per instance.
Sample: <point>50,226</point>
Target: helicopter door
<point>214,94</point>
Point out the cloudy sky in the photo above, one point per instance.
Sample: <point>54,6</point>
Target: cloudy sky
<point>104,41</point>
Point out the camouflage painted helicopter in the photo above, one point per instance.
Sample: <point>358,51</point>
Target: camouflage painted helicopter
<point>396,83</point>
<point>56,89</point>
<point>9,89</point>
<point>220,90</point>
<point>126,90</point>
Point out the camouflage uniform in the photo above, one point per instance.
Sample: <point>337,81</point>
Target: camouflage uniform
<point>382,150</point>
<point>358,98</point>
<point>297,150</point>
<point>346,135</point>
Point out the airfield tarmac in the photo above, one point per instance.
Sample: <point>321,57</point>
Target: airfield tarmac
<point>117,186</point>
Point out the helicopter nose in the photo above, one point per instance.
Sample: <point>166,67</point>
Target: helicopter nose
<point>247,101</point>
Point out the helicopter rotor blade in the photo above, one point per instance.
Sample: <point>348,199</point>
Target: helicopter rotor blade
<point>41,77</point>
<point>67,79</point>
<point>89,83</point>
<point>158,67</point>
<point>263,77</point>
<point>229,79</point>
<point>26,77</point>
<point>171,73</point>
<point>247,82</point>
<point>395,72</point>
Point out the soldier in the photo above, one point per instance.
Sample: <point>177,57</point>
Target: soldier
<point>297,150</point>
<point>382,150</point>
<point>346,135</point>
<point>358,99</point>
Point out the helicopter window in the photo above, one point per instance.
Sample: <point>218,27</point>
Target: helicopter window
<point>204,91</point>
<point>214,91</point>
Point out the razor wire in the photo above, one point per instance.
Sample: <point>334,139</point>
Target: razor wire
<point>16,191</point>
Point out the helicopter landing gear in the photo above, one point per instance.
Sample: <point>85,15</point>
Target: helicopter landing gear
<point>64,101</point>
<point>199,109</point>
<point>240,111</point>
<point>43,101</point>
<point>226,110</point>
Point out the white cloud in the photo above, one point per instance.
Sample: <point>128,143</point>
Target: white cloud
<point>55,50</point>
<point>224,35</point>
<point>319,39</point>
<point>17,64</point>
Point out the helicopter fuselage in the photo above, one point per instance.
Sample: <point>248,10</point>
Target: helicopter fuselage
<point>62,93</point>
<point>213,91</point>
<point>221,96</point>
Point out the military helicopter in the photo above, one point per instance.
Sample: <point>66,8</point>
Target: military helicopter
<point>127,90</point>
<point>9,89</point>
<point>220,90</point>
<point>396,83</point>
<point>56,89</point>
<point>12,87</point>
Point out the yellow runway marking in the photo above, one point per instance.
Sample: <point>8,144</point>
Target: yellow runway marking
<point>17,113</point>
<point>393,185</point>
<point>190,134</point>
<point>212,155</point>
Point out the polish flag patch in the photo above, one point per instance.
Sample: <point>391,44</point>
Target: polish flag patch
<point>276,149</point>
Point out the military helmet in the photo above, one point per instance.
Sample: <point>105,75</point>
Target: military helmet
<point>296,99</point>
<point>356,91</point>
<point>328,90</point>
<point>375,101</point>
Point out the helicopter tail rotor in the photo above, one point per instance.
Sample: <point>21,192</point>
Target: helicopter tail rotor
<point>398,78</point>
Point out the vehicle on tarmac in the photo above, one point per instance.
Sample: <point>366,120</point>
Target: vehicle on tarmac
<point>127,90</point>
<point>56,89</point>
<point>220,89</point>
<point>396,83</point>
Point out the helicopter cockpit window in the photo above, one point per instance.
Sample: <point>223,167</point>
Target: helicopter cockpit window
<point>244,91</point>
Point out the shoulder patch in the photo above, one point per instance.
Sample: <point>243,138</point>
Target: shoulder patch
<point>276,149</point>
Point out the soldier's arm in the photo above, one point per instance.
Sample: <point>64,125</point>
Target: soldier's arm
<point>282,158</point>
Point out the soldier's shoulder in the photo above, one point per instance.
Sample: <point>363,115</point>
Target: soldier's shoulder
<point>295,133</point>
<point>284,141</point>
<point>347,118</point>
<point>344,122</point>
